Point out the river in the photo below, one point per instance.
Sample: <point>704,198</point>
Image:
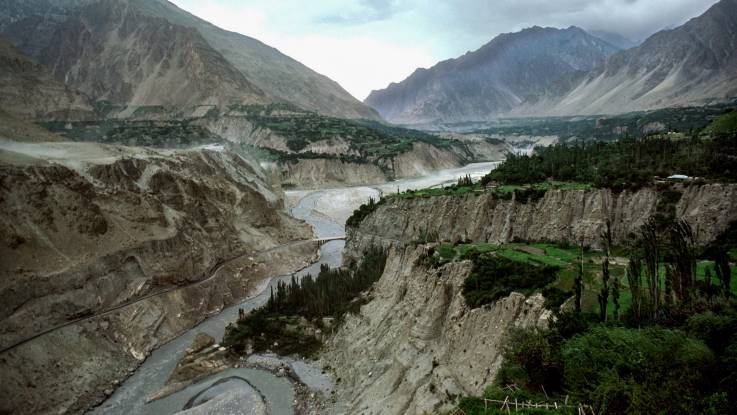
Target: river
<point>326,210</point>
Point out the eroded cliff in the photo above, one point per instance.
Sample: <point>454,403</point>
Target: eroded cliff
<point>559,215</point>
<point>88,228</point>
<point>416,344</point>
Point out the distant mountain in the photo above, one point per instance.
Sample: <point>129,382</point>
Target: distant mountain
<point>690,65</point>
<point>150,52</point>
<point>614,39</point>
<point>28,90</point>
<point>493,80</point>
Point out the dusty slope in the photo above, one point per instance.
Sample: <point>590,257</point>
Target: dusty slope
<point>416,343</point>
<point>693,64</point>
<point>29,90</point>
<point>86,227</point>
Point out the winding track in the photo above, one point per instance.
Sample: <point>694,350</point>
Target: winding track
<point>213,273</point>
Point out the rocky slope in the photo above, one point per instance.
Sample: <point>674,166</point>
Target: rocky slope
<point>28,90</point>
<point>113,52</point>
<point>143,52</point>
<point>693,64</point>
<point>88,227</point>
<point>494,79</point>
<point>560,215</point>
<point>416,344</point>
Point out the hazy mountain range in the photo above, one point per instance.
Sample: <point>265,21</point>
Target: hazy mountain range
<point>150,52</point>
<point>492,80</point>
<point>545,71</point>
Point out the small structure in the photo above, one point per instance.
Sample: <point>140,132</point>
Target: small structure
<point>679,177</point>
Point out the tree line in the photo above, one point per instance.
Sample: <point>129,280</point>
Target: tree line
<point>627,163</point>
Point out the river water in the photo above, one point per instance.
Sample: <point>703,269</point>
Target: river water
<point>326,210</point>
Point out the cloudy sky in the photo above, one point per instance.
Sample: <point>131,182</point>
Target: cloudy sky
<point>366,44</point>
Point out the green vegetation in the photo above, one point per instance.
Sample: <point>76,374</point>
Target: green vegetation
<point>671,347</point>
<point>371,140</point>
<point>628,163</point>
<point>364,210</point>
<point>523,193</point>
<point>680,122</point>
<point>724,125</point>
<point>494,277</point>
<point>161,134</point>
<point>288,323</point>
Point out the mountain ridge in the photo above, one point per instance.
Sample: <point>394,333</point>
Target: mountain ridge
<point>689,65</point>
<point>491,80</point>
<point>264,75</point>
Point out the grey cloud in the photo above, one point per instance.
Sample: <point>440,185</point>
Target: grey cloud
<point>372,10</point>
<point>633,19</point>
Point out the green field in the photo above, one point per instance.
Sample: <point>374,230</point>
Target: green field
<point>567,258</point>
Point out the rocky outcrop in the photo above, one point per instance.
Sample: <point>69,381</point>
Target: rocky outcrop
<point>416,344</point>
<point>87,228</point>
<point>316,173</point>
<point>560,215</point>
<point>423,159</point>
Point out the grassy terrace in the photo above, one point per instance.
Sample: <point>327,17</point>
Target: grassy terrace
<point>505,191</point>
<point>566,260</point>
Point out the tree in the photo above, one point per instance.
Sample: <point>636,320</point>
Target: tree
<point>615,297</point>
<point>651,248</point>
<point>634,279</point>
<point>606,237</point>
<point>724,273</point>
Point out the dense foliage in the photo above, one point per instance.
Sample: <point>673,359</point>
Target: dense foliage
<point>625,163</point>
<point>362,212</point>
<point>683,120</point>
<point>494,277</point>
<point>672,350</point>
<point>288,322</point>
<point>162,134</point>
<point>331,292</point>
<point>370,139</point>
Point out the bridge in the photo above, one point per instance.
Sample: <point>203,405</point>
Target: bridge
<point>213,272</point>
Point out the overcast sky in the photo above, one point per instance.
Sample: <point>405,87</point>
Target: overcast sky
<point>366,44</point>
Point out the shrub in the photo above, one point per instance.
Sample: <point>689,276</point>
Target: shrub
<point>623,370</point>
<point>532,360</point>
<point>495,277</point>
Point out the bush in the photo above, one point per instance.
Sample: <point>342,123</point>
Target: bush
<point>495,277</point>
<point>532,360</point>
<point>622,370</point>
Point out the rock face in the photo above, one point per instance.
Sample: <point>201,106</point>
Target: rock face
<point>88,227</point>
<point>560,215</point>
<point>113,52</point>
<point>416,343</point>
<point>693,64</point>
<point>29,90</point>
<point>315,173</point>
<point>500,75</point>
<point>144,52</point>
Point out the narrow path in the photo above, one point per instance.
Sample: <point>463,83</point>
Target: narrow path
<point>213,273</point>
